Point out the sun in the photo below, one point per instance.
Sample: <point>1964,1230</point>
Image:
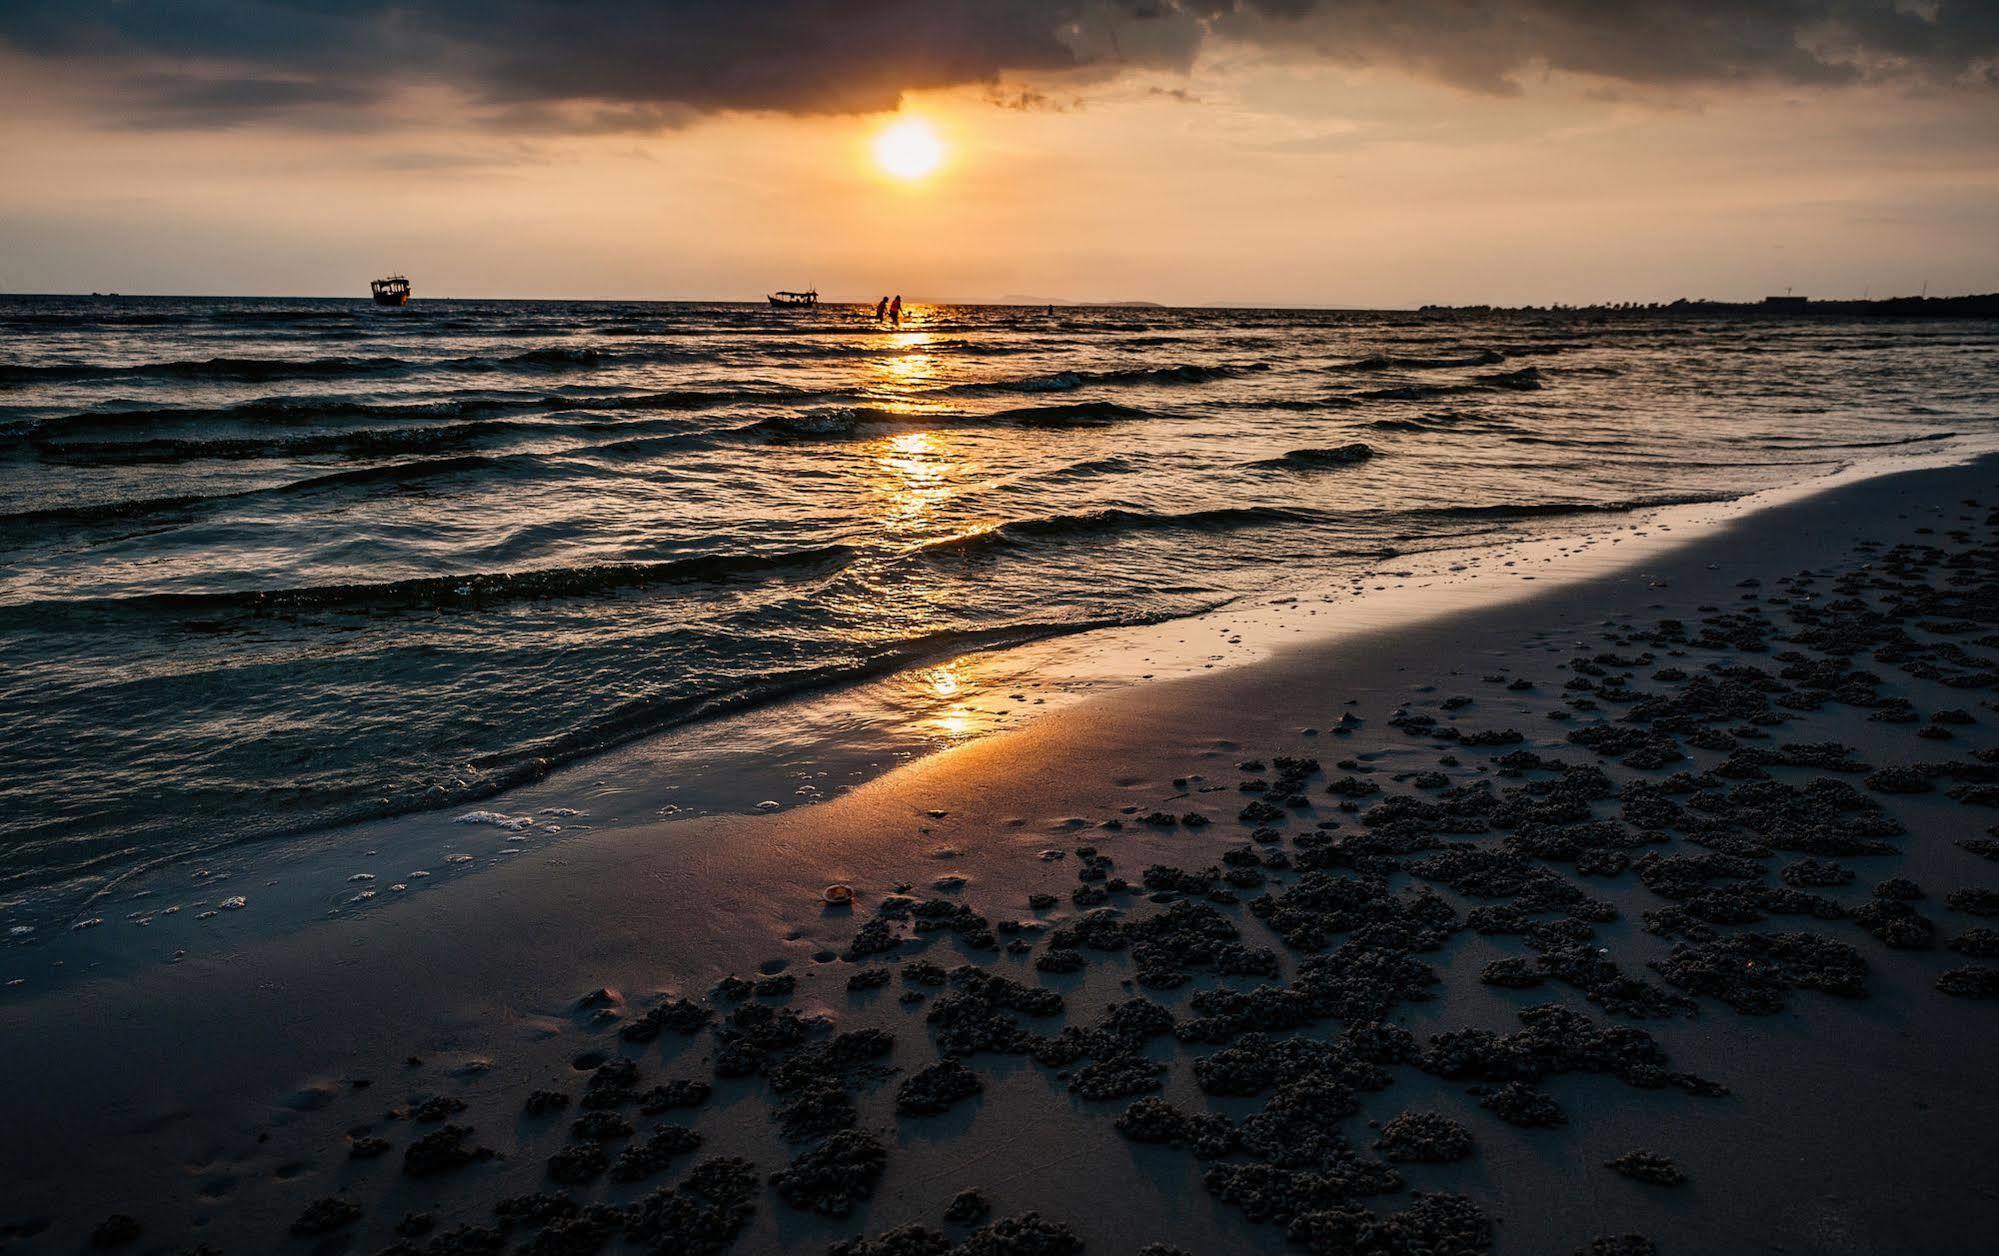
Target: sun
<point>909,149</point>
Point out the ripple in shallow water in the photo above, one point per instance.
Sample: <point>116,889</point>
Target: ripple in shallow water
<point>269,564</point>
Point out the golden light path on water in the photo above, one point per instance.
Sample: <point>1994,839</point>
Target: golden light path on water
<point>912,476</point>
<point>908,472</point>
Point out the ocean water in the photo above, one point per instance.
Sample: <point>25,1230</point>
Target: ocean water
<point>267,565</point>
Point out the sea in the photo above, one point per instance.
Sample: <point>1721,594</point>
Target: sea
<point>268,566</point>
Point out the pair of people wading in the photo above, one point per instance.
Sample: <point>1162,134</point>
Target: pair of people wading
<point>890,310</point>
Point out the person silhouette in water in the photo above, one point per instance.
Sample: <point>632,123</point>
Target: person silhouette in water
<point>895,310</point>
<point>881,309</point>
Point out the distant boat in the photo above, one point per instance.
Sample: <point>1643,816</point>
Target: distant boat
<point>395,290</point>
<point>794,300</point>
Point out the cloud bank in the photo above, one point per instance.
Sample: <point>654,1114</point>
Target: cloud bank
<point>644,63</point>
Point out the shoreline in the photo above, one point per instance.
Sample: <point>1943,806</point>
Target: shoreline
<point>490,974</point>
<point>838,736</point>
<point>1091,656</point>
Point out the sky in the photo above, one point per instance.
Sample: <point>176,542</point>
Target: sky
<point>1336,153</point>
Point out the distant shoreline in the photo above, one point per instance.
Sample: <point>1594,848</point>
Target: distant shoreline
<point>1984,305</point>
<point>1972,305</point>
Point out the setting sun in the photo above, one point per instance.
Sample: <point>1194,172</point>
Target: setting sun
<point>909,150</point>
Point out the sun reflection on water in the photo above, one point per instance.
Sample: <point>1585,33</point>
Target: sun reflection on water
<point>953,717</point>
<point>909,479</point>
<point>910,368</point>
<point>914,474</point>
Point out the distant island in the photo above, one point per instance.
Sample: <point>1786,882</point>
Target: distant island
<point>1985,305</point>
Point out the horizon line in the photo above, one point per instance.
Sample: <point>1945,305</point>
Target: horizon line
<point>1131,303</point>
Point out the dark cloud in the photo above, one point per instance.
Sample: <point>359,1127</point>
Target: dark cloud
<point>644,63</point>
<point>1028,100</point>
<point>179,100</point>
<point>1491,45</point>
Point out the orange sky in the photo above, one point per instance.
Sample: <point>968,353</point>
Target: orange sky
<point>1249,175</point>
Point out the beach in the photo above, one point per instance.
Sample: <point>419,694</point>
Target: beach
<point>1244,934</point>
<point>951,628</point>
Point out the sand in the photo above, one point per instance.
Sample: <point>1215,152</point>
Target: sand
<point>1749,1047</point>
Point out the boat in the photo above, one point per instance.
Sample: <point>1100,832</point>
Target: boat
<point>395,290</point>
<point>794,300</point>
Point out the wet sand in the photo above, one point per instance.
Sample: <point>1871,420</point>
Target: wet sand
<point>1477,799</point>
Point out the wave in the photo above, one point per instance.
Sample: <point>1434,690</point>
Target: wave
<point>109,512</point>
<point>615,725</point>
<point>1413,392</point>
<point>296,315</point>
<point>467,591</point>
<point>141,507</point>
<point>36,321</point>
<point>1547,349</point>
<point>1539,510</point>
<point>1526,379</point>
<point>672,399</point>
<point>1392,362</point>
<point>307,410</point>
<point>1068,381</point>
<point>1074,414</point>
<point>1621,445</point>
<point>1165,341</point>
<point>1091,468</point>
<point>842,421</point>
<point>1117,521</point>
<point>761,349</point>
<point>1335,402</point>
<point>1319,459</point>
<point>95,314</point>
<point>228,369</point>
<point>640,716</point>
<point>1871,444</point>
<point>206,368</point>
<point>640,447</point>
<point>1437,421</point>
<point>830,422</point>
<point>365,442</point>
<point>263,410</point>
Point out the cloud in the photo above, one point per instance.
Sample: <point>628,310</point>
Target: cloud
<point>1030,100</point>
<point>1490,45</point>
<point>639,63</point>
<point>184,101</point>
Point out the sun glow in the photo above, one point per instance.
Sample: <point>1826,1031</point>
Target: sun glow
<point>909,149</point>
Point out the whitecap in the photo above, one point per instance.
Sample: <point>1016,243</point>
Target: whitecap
<point>498,819</point>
